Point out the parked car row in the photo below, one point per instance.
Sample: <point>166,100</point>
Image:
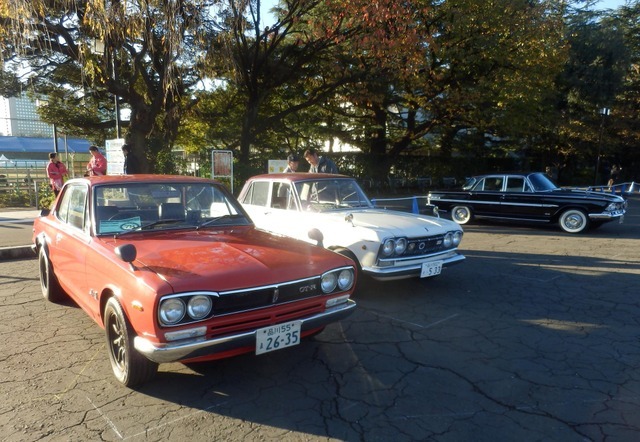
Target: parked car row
<point>174,268</point>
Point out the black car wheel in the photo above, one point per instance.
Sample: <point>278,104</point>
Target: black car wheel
<point>129,366</point>
<point>51,289</point>
<point>573,221</point>
<point>461,214</point>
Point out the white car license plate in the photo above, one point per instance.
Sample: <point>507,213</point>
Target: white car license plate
<point>278,336</point>
<point>431,269</point>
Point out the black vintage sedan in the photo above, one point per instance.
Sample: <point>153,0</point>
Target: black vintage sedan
<point>529,197</point>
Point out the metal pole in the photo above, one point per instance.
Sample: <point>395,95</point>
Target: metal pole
<point>55,139</point>
<point>115,96</point>
<point>604,112</point>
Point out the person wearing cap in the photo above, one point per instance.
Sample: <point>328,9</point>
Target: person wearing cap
<point>98,163</point>
<point>292,163</point>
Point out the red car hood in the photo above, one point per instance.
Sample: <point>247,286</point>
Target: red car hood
<point>227,259</point>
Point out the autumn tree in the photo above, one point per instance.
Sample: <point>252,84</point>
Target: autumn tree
<point>81,54</point>
<point>448,66</point>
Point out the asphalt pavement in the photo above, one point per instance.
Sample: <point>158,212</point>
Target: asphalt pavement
<point>15,232</point>
<point>533,338</point>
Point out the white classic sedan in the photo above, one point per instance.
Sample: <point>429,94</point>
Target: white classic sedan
<point>334,211</point>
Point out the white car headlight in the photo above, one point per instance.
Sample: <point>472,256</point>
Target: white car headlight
<point>457,237</point>
<point>329,282</point>
<point>401,246</point>
<point>388,247</point>
<point>448,239</point>
<point>172,311</point>
<point>345,279</point>
<point>199,306</point>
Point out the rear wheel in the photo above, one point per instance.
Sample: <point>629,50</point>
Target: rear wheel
<point>49,285</point>
<point>461,214</point>
<point>573,221</point>
<point>129,366</point>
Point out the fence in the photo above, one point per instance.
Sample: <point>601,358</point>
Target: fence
<point>620,189</point>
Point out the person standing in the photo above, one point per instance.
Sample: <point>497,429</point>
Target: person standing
<point>131,164</point>
<point>98,164</point>
<point>319,164</point>
<point>293,161</point>
<point>56,171</point>
<point>614,175</point>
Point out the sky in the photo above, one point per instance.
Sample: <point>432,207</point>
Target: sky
<point>610,4</point>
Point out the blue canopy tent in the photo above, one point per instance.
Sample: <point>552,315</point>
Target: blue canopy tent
<point>38,146</point>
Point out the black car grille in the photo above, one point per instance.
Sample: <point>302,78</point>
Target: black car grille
<point>258,297</point>
<point>424,246</point>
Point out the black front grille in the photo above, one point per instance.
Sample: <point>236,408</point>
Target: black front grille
<point>424,246</point>
<point>253,298</point>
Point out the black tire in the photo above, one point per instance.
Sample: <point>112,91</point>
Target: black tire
<point>49,285</point>
<point>573,221</point>
<point>461,214</point>
<point>129,366</point>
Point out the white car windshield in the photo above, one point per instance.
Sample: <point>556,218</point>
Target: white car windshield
<point>331,194</point>
<point>132,207</point>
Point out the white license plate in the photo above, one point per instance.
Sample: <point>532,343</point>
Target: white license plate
<point>278,336</point>
<point>431,269</point>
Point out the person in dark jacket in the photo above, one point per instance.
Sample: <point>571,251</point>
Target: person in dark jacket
<point>131,164</point>
<point>319,164</point>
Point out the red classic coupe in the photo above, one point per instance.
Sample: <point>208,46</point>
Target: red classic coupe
<point>174,270</point>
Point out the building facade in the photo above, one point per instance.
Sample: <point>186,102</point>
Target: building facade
<point>19,118</point>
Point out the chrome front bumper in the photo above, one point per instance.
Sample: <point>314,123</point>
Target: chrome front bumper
<point>194,348</point>
<point>409,270</point>
<point>607,215</point>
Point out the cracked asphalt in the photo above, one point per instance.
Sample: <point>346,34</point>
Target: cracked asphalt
<point>534,337</point>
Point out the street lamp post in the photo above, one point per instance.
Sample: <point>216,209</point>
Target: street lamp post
<point>100,48</point>
<point>603,112</point>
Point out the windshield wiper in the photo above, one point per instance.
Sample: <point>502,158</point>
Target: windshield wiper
<point>148,226</point>
<point>216,219</point>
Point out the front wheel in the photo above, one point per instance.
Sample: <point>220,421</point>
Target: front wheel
<point>461,214</point>
<point>573,221</point>
<point>129,366</point>
<point>49,285</point>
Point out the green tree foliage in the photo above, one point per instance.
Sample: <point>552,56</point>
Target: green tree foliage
<point>624,137</point>
<point>443,67</point>
<point>590,82</point>
<point>148,57</point>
